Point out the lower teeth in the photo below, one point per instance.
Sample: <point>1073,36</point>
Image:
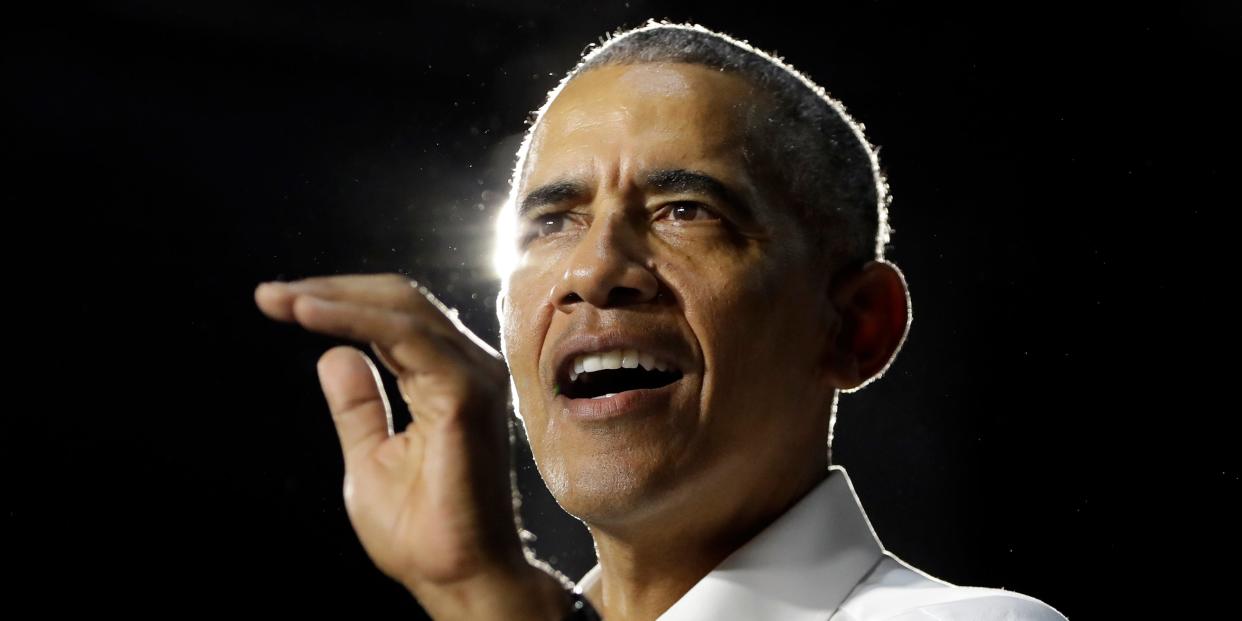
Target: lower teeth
<point>605,396</point>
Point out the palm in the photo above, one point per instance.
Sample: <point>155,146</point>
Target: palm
<point>420,499</point>
<point>388,505</point>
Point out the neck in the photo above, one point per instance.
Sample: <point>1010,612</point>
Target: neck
<point>645,567</point>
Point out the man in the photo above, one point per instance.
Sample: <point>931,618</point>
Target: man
<point>698,273</point>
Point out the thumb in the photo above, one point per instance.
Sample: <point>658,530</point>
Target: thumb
<point>356,398</point>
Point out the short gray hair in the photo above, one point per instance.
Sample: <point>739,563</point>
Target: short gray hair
<point>809,147</point>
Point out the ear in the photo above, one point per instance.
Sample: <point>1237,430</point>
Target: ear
<point>873,319</point>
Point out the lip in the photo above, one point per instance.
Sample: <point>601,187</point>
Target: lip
<point>665,346</point>
<point>628,403</point>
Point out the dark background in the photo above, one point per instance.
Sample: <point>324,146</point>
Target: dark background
<point>1058,178</point>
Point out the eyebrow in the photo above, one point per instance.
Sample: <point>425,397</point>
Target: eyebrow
<point>664,180</point>
<point>680,180</point>
<point>552,193</point>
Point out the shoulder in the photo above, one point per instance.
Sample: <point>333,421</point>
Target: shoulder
<point>895,591</point>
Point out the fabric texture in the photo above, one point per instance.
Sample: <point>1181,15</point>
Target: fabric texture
<point>822,561</point>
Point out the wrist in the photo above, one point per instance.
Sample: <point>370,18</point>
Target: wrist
<point>519,592</point>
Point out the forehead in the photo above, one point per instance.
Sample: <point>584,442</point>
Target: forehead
<point>643,116</point>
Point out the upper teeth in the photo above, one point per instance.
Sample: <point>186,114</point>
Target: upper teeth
<point>617,359</point>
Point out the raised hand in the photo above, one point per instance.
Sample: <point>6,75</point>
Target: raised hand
<point>431,504</point>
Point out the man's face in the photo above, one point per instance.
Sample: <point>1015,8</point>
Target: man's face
<point>647,231</point>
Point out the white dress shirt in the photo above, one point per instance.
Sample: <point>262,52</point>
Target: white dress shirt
<point>821,561</point>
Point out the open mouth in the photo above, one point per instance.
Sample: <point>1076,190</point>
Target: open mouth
<point>611,381</point>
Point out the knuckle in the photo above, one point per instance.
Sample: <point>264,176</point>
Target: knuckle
<point>409,325</point>
<point>429,298</point>
<point>394,279</point>
<point>410,297</point>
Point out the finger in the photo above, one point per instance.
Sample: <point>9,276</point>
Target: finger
<point>412,352</point>
<point>421,359</point>
<point>275,300</point>
<point>364,323</point>
<point>356,398</point>
<point>390,291</point>
<point>385,359</point>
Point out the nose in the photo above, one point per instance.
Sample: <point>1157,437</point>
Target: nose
<point>607,268</point>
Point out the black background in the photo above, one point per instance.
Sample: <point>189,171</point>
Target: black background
<point>1059,184</point>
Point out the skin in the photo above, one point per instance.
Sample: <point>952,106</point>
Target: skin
<point>766,340</point>
<point>430,504</point>
<point>758,322</point>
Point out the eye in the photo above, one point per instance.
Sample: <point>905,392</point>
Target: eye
<point>549,223</point>
<point>542,226</point>
<point>689,211</point>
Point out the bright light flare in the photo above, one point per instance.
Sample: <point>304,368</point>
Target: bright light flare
<point>504,245</point>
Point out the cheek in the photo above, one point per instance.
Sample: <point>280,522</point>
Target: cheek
<point>751,321</point>
<point>521,333</point>
<point>523,326</point>
<point>727,296</point>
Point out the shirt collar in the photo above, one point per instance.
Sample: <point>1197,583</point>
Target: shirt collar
<point>802,566</point>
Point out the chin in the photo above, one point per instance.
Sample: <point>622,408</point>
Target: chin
<point>606,490</point>
<point>618,469</point>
